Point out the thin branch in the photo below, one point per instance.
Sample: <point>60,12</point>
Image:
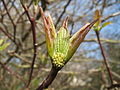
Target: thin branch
<point>14,25</point>
<point>110,16</point>
<point>12,72</point>
<point>44,6</point>
<point>104,19</point>
<point>114,86</point>
<point>63,12</point>
<point>38,45</point>
<point>13,54</point>
<point>87,40</point>
<point>43,2</point>
<point>105,61</point>
<point>103,40</point>
<point>8,35</point>
<point>94,60</point>
<point>103,6</point>
<point>32,21</point>
<point>17,21</point>
<point>116,75</point>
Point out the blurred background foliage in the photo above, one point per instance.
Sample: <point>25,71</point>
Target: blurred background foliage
<point>85,71</point>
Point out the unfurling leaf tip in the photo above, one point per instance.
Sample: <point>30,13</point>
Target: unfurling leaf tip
<point>41,12</point>
<point>65,22</point>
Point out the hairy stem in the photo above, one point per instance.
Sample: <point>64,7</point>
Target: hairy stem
<point>51,76</point>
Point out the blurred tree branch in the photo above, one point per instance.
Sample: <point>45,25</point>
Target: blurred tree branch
<point>13,73</point>
<point>65,7</point>
<point>110,16</point>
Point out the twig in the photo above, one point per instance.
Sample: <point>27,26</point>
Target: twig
<point>8,35</point>
<point>32,21</point>
<point>12,72</point>
<point>63,12</point>
<point>110,16</point>
<point>114,86</point>
<point>116,75</point>
<point>38,45</point>
<point>14,25</point>
<point>103,6</point>
<point>17,21</point>
<point>103,40</point>
<point>13,54</point>
<point>43,4</point>
<point>105,61</point>
<point>87,40</point>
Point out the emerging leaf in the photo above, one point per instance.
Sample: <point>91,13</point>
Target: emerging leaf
<point>4,46</point>
<point>97,26</point>
<point>105,24</point>
<point>1,41</point>
<point>60,46</point>
<point>49,32</point>
<point>77,38</point>
<point>97,16</point>
<point>35,2</point>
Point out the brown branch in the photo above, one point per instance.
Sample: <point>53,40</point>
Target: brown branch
<point>14,25</point>
<point>44,6</point>
<point>104,19</point>
<point>17,21</point>
<point>63,12</point>
<point>38,45</point>
<point>4,12</point>
<point>103,6</point>
<point>87,40</point>
<point>103,40</point>
<point>8,35</point>
<point>115,74</point>
<point>114,86</point>
<point>49,79</point>
<point>43,2</point>
<point>32,21</point>
<point>105,61</point>
<point>110,16</point>
<point>13,73</point>
<point>13,54</point>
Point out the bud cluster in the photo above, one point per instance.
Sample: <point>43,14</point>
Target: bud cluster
<point>60,46</point>
<point>58,60</point>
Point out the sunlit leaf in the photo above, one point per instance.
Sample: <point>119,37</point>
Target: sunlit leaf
<point>97,16</point>
<point>1,41</point>
<point>35,2</point>
<point>105,24</point>
<point>4,46</point>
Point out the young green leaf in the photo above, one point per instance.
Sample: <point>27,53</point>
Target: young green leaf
<point>60,46</point>
<point>105,24</point>
<point>1,41</point>
<point>4,46</point>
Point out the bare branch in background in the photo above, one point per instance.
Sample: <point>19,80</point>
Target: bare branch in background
<point>63,12</point>
<point>13,73</point>
<point>85,71</point>
<point>110,16</point>
<point>104,57</point>
<point>32,21</point>
<point>14,25</point>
